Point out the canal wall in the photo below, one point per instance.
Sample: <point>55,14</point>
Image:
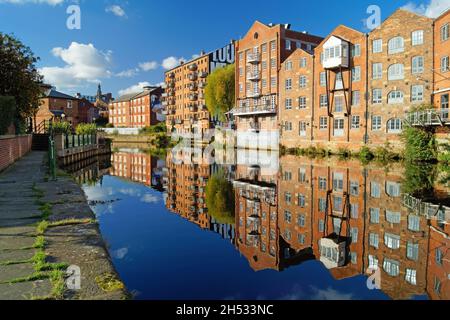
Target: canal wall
<point>13,148</point>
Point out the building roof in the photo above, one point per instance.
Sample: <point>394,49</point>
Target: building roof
<point>59,95</point>
<point>145,92</point>
<point>125,97</point>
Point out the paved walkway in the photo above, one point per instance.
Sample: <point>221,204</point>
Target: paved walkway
<point>70,233</point>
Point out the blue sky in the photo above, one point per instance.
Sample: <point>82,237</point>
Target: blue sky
<point>124,44</point>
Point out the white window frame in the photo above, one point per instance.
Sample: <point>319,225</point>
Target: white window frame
<point>417,64</point>
<point>417,37</point>
<point>396,71</point>
<point>396,45</point>
<point>377,46</point>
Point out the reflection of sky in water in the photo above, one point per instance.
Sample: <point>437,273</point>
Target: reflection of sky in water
<point>161,256</point>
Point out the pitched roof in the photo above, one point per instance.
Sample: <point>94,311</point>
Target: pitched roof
<point>126,97</point>
<point>59,95</point>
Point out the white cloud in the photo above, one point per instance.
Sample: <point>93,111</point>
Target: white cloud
<point>433,9</point>
<point>171,62</point>
<point>138,87</point>
<point>120,253</point>
<point>84,64</point>
<point>116,10</point>
<point>147,66</point>
<point>128,73</point>
<point>329,294</point>
<point>50,2</point>
<point>149,198</point>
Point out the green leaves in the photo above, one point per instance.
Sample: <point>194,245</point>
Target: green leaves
<point>219,91</point>
<point>7,112</point>
<point>220,198</point>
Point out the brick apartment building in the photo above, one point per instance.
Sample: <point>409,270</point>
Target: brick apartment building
<point>58,106</point>
<point>185,96</point>
<point>260,54</point>
<point>442,61</point>
<point>136,110</point>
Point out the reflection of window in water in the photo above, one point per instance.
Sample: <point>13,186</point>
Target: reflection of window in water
<point>301,238</point>
<point>374,240</point>
<point>301,201</point>
<point>414,223</point>
<point>321,225</point>
<point>391,267</point>
<point>337,204</point>
<point>412,251</point>
<point>393,189</point>
<point>393,217</point>
<point>322,205</point>
<point>330,253</point>
<point>301,220</point>
<point>373,262</point>
<point>392,241</point>
<point>322,183</point>
<point>374,215</point>
<point>375,190</point>
<point>354,235</point>
<point>411,276</point>
<point>354,210</point>
<point>337,225</point>
<point>338,181</point>
<point>354,188</point>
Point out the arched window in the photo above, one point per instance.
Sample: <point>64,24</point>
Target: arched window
<point>396,72</point>
<point>394,125</point>
<point>396,45</point>
<point>395,96</point>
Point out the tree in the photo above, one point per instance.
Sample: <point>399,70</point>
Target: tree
<point>19,77</point>
<point>220,198</point>
<point>220,90</point>
<point>7,112</point>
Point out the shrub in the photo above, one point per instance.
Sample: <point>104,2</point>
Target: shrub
<point>365,154</point>
<point>109,125</point>
<point>220,198</point>
<point>62,128</point>
<point>7,112</point>
<point>420,145</point>
<point>157,128</point>
<point>86,128</point>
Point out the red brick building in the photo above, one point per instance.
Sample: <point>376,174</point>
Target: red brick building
<point>58,106</point>
<point>442,61</point>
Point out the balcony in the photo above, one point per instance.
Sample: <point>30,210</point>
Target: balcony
<point>172,75</point>
<point>254,58</point>
<point>193,97</point>
<point>203,74</point>
<point>253,76</point>
<point>258,109</point>
<point>202,84</point>
<point>171,84</point>
<point>336,53</point>
<point>429,118</point>
<point>193,108</point>
<point>193,87</point>
<point>164,95</point>
<point>193,67</point>
<point>254,94</point>
<point>193,76</point>
<point>178,121</point>
<point>202,107</point>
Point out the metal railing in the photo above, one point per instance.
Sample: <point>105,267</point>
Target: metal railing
<point>430,117</point>
<point>75,141</point>
<point>52,157</point>
<point>264,108</point>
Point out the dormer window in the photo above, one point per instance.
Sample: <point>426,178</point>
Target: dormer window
<point>336,53</point>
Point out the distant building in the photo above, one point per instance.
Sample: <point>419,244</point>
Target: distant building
<point>137,110</point>
<point>58,106</point>
<point>100,101</point>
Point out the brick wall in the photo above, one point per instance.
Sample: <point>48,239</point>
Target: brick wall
<point>13,148</point>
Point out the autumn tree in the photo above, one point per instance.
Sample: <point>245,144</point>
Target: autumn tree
<point>220,90</point>
<point>19,77</point>
<point>220,198</point>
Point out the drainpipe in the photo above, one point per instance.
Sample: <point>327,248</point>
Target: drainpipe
<point>313,97</point>
<point>367,95</point>
<point>433,61</point>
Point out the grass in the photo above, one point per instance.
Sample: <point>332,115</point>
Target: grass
<point>108,282</point>
<point>42,227</point>
<point>70,222</point>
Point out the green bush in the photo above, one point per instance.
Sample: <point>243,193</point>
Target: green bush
<point>157,128</point>
<point>62,128</point>
<point>220,198</point>
<point>7,112</point>
<point>86,128</point>
<point>365,154</point>
<point>420,145</point>
<point>109,125</point>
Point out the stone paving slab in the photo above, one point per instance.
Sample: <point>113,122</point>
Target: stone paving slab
<point>16,255</point>
<point>8,273</point>
<point>25,290</point>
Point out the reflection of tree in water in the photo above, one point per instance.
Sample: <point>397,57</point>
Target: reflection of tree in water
<point>420,179</point>
<point>220,198</point>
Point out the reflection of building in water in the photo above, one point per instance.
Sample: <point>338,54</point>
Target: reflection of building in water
<point>138,166</point>
<point>349,217</point>
<point>186,176</point>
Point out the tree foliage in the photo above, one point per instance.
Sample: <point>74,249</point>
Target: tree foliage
<point>420,145</point>
<point>7,112</point>
<point>86,128</point>
<point>220,90</point>
<point>62,128</point>
<point>19,77</point>
<point>220,198</point>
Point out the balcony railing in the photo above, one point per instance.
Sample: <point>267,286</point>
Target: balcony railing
<point>193,77</point>
<point>431,117</point>
<point>172,75</point>
<point>253,94</point>
<point>193,87</point>
<point>203,74</point>
<point>193,67</point>
<point>202,84</point>
<point>258,109</point>
<point>255,127</point>
<point>254,58</point>
<point>253,76</point>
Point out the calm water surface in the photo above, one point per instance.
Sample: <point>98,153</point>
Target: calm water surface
<point>287,228</point>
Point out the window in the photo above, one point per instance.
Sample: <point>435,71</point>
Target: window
<point>375,190</point>
<point>301,201</point>
<point>395,97</point>
<point>377,46</point>
<point>338,82</point>
<point>273,82</point>
<point>321,225</point>
<point>393,189</point>
<point>322,183</point>
<point>354,210</point>
<point>302,175</point>
<point>241,56</point>
<point>288,65</point>
<point>355,122</point>
<point>302,102</point>
<point>377,71</point>
<point>393,217</point>
<point>302,82</point>
<point>337,204</point>
<point>273,45</point>
<point>288,103</point>
<point>323,123</point>
<point>374,240</point>
<point>356,74</point>
<point>376,123</point>
<point>273,63</point>
<point>303,62</point>
<point>354,188</point>
<point>374,215</point>
<point>287,197</point>
<point>392,241</point>
<point>417,65</point>
<point>444,64</point>
<point>417,93</point>
<point>287,216</point>
<point>339,104</point>
<point>301,220</point>
<point>395,72</point>
<point>338,127</point>
<point>338,182</point>
<point>394,126</point>
<point>412,251</point>
<point>69,104</point>
<point>356,98</point>
<point>354,257</point>
<point>301,238</point>
<point>373,262</point>
<point>288,85</point>
<point>439,256</point>
<point>445,32</point>
<point>264,83</point>
<point>264,65</point>
<point>417,37</point>
<point>396,45</point>
<point>356,50</point>
<point>288,126</point>
<point>444,101</point>
<point>411,276</point>
<point>377,96</point>
<point>323,101</point>
<point>322,204</point>
<point>391,267</point>
<point>302,129</point>
<point>354,234</point>
<point>323,79</point>
<point>288,45</point>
